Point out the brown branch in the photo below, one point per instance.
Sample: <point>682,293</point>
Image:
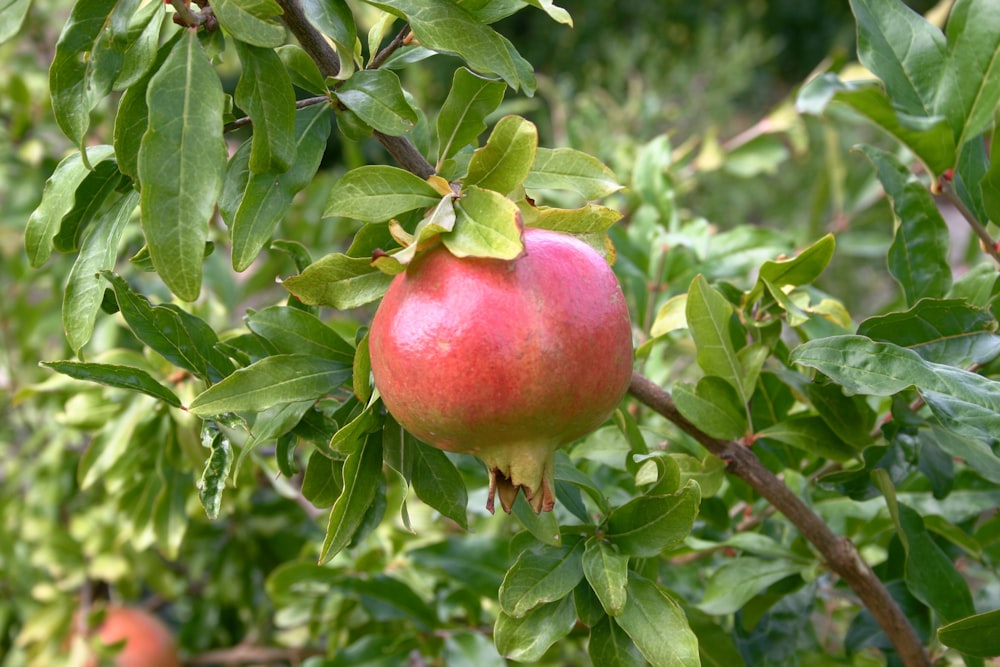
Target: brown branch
<point>299,104</point>
<point>313,42</point>
<point>840,554</point>
<point>398,41</point>
<point>246,654</point>
<point>992,248</point>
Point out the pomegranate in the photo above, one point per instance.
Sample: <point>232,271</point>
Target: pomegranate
<point>505,360</point>
<point>148,642</point>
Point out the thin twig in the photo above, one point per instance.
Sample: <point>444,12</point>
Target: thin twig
<point>398,41</point>
<point>991,247</point>
<point>840,554</point>
<point>185,15</point>
<point>299,104</point>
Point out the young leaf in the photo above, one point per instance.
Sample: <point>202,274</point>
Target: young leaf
<point>58,199</point>
<point>918,257</point>
<point>124,377</point>
<point>800,270</point>
<point>376,193</point>
<point>181,163</point>
<point>449,28</point>
<point>216,471</point>
<point>463,113</point>
<point>183,339</point>
<point>292,330</point>
<point>570,169</point>
<point>265,92</point>
<point>526,639</point>
<point>708,314</point>
<point>504,162</point>
<point>251,21</point>
<point>339,281</point>
<point>267,197</point>
<point>606,571</point>
<point>377,98</point>
<point>486,225</point>
<point>539,577</point>
<point>657,625</point>
<point>362,470</point>
<point>973,635</point>
<point>282,378</point>
<point>649,525</point>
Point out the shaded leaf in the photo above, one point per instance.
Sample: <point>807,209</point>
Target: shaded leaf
<point>463,114</point>
<point>810,434</point>
<point>362,470</point>
<point>251,21</point>
<point>610,646</point>
<point>973,635</point>
<point>265,93</point>
<point>292,330</point>
<point>437,482</point>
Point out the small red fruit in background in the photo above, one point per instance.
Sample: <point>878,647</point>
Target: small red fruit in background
<point>148,642</point>
<point>506,360</point>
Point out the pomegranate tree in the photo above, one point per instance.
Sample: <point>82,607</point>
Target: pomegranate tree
<point>506,360</point>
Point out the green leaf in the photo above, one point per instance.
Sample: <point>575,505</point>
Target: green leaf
<point>671,316</point>
<point>216,471</point>
<point>282,378</point>
<point>976,453</point>
<point>267,197</point>
<point>270,425</point>
<point>251,21</point>
<point>470,649</point>
<point>486,225</point>
<point>376,97</point>
<point>339,281</point>
<point>182,160</point>
<point>335,19</point>
<point>649,525</point>
<point>353,434</point>
<point>570,169</point>
<point>449,28</point>
<point>302,69</point>
<point>362,470</point>
<point>293,330</point>
<point>58,199</point>
<point>973,635</point>
<point>966,403</point>
<point>91,202</point>
<point>606,571</point>
<point>800,270</point>
<point>183,339</point>
<point>969,89</point>
<point>265,93</point>
<point>610,646</point>
<point>463,114</point>
<point>539,577</point>
<point>323,481</point>
<point>849,417</point>
<point>556,13</point>
<point>83,67</point>
<point>506,159</point>
<point>943,331</point>
<point>170,518</point>
<point>900,47</point>
<point>989,185</point>
<point>141,42</point>
<point>930,574</point>
<point>12,13</point>
<point>526,639</point>
<point>657,625</point>
<point>376,193</point>
<point>112,375</point>
<point>735,583</point>
<point>438,483</point>
<point>708,314</point>
<point>84,287</point>
<point>588,219</point>
<point>918,257</point>
<point>713,406</point>
<point>810,434</point>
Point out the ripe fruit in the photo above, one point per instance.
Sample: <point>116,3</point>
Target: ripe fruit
<point>148,642</point>
<point>506,360</point>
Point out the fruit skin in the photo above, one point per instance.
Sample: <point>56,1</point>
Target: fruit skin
<point>506,360</point>
<point>149,643</point>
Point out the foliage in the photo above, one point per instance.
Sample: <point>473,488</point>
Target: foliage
<point>208,440</point>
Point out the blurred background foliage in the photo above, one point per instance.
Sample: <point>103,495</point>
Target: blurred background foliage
<point>695,97</point>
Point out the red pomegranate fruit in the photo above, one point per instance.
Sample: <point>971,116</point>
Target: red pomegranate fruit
<point>506,360</point>
<point>148,642</point>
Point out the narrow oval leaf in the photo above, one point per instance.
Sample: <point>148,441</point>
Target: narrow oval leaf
<point>339,281</point>
<point>335,19</point>
<point>216,472</point>
<point>809,433</point>
<point>713,406</point>
<point>918,257</point>
<point>463,114</point>
<point>362,471</point>
<point>487,224</point>
<point>112,375</point>
<point>974,635</point>
<point>265,93</point>
<point>588,219</point>
<point>182,160</point>
<point>570,169</point>
<point>12,13</point>
<point>735,583</point>
<point>376,97</point>
<point>708,314</point>
<point>539,577</point>
<point>649,525</point>
<point>504,162</point>
<point>658,626</point>
<point>606,571</point>
<point>526,639</point>
<point>58,199</point>
<point>376,193</point>
<point>100,186</point>
<point>800,270</point>
<point>293,330</point>
<point>437,482</point>
<point>251,21</point>
<point>282,378</point>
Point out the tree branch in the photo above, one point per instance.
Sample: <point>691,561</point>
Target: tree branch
<point>313,42</point>
<point>840,554</point>
<point>992,248</point>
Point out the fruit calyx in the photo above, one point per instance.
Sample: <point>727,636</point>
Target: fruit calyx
<point>523,467</point>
